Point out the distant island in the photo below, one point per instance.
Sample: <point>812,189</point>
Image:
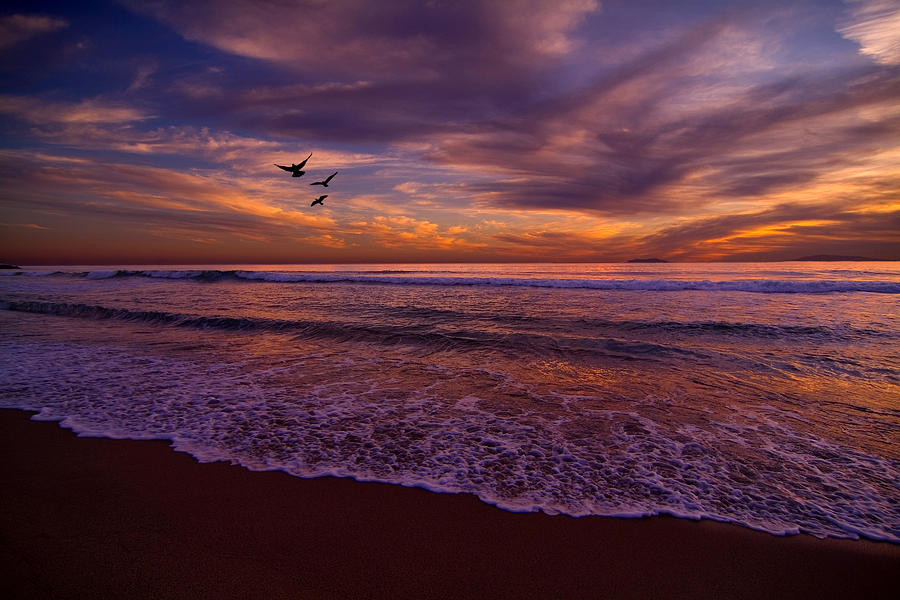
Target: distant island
<point>647,260</point>
<point>834,257</point>
<point>5,266</point>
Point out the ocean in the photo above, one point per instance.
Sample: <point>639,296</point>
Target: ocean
<point>761,394</point>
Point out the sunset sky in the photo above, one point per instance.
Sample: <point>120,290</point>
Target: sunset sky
<point>520,130</point>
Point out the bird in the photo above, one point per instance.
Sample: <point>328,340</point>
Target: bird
<point>325,181</point>
<point>295,170</point>
<point>319,200</point>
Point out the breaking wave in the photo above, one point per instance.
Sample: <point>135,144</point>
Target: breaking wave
<point>400,277</point>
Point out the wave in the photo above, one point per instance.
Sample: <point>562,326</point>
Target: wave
<point>585,325</point>
<point>431,316</point>
<point>581,339</point>
<point>764,286</point>
<point>519,342</point>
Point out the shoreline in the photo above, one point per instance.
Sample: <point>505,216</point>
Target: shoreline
<point>96,517</point>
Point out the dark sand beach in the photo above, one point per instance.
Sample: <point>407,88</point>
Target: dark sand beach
<point>101,518</point>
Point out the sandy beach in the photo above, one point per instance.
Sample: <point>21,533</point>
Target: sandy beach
<point>101,518</point>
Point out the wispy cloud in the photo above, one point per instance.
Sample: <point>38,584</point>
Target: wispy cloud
<point>142,76</point>
<point>140,193</point>
<point>408,36</point>
<point>786,230</point>
<point>18,28</point>
<point>92,110</point>
<point>27,225</point>
<point>604,156</point>
<point>875,26</point>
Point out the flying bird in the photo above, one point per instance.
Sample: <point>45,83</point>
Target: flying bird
<point>295,170</point>
<point>325,182</point>
<point>319,200</point>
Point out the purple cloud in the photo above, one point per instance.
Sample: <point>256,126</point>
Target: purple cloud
<point>18,28</point>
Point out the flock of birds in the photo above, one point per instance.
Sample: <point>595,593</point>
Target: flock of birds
<point>297,171</point>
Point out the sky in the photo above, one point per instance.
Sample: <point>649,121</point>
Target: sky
<point>146,132</point>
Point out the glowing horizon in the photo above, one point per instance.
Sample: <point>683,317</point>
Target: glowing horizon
<point>145,133</point>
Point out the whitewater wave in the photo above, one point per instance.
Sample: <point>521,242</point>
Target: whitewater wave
<point>499,434</point>
<point>764,286</point>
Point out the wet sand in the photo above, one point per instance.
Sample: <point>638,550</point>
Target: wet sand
<point>100,518</point>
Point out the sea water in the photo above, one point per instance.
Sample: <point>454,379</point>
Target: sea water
<point>763,394</point>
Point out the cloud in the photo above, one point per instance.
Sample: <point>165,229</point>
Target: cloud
<point>193,142</point>
<point>875,26</point>
<point>523,128</point>
<point>27,225</point>
<point>92,110</point>
<point>404,232</point>
<point>18,28</point>
<point>782,231</point>
<point>74,127</point>
<point>603,156</point>
<point>327,240</point>
<point>202,202</point>
<point>142,76</point>
<point>779,233</point>
<point>354,71</point>
<point>408,36</point>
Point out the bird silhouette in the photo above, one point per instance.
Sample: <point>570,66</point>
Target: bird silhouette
<point>325,181</point>
<point>319,200</point>
<point>295,170</point>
